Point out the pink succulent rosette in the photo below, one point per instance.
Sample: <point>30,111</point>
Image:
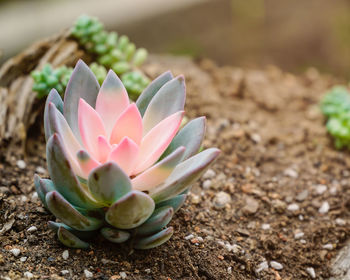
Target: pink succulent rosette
<point>119,167</point>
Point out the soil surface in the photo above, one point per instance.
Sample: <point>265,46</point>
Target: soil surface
<point>275,205</point>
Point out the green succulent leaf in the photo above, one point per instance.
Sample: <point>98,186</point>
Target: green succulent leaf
<point>154,240</point>
<point>82,84</point>
<point>168,100</point>
<point>85,235</point>
<point>130,211</point>
<point>70,240</point>
<point>184,175</point>
<point>68,214</point>
<point>115,235</point>
<point>148,94</point>
<point>108,183</point>
<point>190,136</point>
<point>55,99</point>
<point>63,176</point>
<point>42,187</point>
<point>159,219</point>
<point>175,202</point>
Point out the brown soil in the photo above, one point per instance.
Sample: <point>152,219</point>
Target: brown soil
<point>275,153</point>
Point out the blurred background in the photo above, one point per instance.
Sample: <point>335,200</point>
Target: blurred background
<point>293,35</point>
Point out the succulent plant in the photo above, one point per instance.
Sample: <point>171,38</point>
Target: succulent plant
<point>336,106</point>
<point>119,168</point>
<point>49,78</point>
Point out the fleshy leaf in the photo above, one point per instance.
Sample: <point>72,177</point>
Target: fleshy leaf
<point>130,211</point>
<point>129,124</point>
<point>56,99</point>
<point>112,100</point>
<point>157,140</point>
<point>82,84</point>
<point>115,235</point>
<point>63,176</point>
<point>104,148</point>
<point>159,219</point>
<point>70,240</point>
<point>154,240</point>
<point>42,187</point>
<point>157,174</point>
<point>64,211</point>
<point>91,127</point>
<point>169,100</point>
<point>152,89</point>
<point>190,136</point>
<point>86,163</point>
<point>125,155</point>
<point>184,174</point>
<point>80,234</point>
<point>108,183</point>
<point>176,202</point>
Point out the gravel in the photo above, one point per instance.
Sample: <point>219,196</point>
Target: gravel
<point>221,200</point>
<point>88,274</point>
<point>21,164</point>
<point>276,265</point>
<point>311,272</point>
<point>293,207</point>
<point>324,208</point>
<point>65,254</point>
<point>15,251</point>
<point>32,229</point>
<point>262,266</point>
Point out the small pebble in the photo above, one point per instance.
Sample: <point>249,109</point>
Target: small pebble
<point>298,235</point>
<point>262,266</point>
<point>87,273</point>
<point>221,200</point>
<point>195,199</point>
<point>302,195</point>
<point>32,229</point>
<point>229,270</point>
<point>293,207</point>
<point>148,270</point>
<point>265,226</point>
<point>65,254</point>
<point>40,169</point>
<point>324,208</point>
<point>15,251</point>
<point>291,173</point>
<point>328,246</point>
<point>207,184</point>
<point>320,189</point>
<point>21,164</point>
<point>311,272</point>
<point>23,259</point>
<point>251,206</point>
<point>302,241</point>
<point>340,222</point>
<point>255,137</point>
<point>188,237</point>
<point>276,265</point>
<point>28,275</point>
<point>122,274</point>
<point>210,173</point>
<point>64,272</point>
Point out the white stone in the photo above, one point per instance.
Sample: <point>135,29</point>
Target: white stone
<point>293,207</point>
<point>311,272</point>
<point>15,251</point>
<point>229,270</point>
<point>21,164</point>
<point>221,200</point>
<point>262,266</point>
<point>210,173</point>
<point>291,173</point>
<point>32,229</point>
<point>324,208</point>
<point>40,169</point>
<point>302,241</point>
<point>320,189</point>
<point>340,222</point>
<point>188,237</point>
<point>276,265</point>
<point>64,272</point>
<point>28,275</point>
<point>298,235</point>
<point>122,274</point>
<point>328,246</point>
<point>265,226</point>
<point>23,259</point>
<point>256,137</point>
<point>207,184</point>
<point>148,270</point>
<point>88,274</point>
<point>65,254</point>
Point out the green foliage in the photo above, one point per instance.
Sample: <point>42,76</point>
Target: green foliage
<point>50,78</point>
<point>336,106</point>
<point>135,82</point>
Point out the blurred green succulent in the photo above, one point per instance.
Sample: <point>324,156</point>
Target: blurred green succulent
<point>49,78</point>
<point>336,106</point>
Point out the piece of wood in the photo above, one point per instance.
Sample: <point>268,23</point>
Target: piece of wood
<point>17,98</point>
